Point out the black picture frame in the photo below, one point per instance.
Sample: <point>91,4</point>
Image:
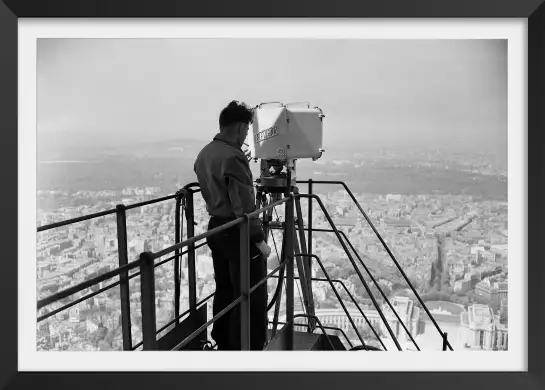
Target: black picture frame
<point>11,10</point>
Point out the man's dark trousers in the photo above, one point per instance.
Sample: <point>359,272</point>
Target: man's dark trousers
<point>225,247</point>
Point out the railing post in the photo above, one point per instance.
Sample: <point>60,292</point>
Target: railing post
<point>445,341</point>
<point>290,235</point>
<point>245,285</point>
<point>191,271</point>
<point>310,189</point>
<point>124,277</point>
<point>309,216</point>
<point>177,238</point>
<point>306,283</point>
<point>147,288</point>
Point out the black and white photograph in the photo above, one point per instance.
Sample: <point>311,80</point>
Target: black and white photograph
<point>224,194</point>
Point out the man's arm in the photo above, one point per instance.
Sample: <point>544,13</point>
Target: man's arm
<point>241,194</point>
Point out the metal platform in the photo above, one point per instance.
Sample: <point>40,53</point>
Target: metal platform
<point>189,333</point>
<point>304,341</point>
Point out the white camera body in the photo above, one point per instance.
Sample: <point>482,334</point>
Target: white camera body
<point>284,131</point>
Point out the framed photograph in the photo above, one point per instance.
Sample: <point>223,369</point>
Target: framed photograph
<point>277,182</point>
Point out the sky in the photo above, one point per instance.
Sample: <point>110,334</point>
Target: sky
<point>374,93</point>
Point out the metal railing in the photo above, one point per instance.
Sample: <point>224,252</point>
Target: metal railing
<point>358,272</point>
<point>245,315</point>
<point>377,285</point>
<point>146,263</point>
<point>148,294</point>
<point>91,282</point>
<point>177,318</point>
<point>343,184</point>
<point>337,295</point>
<point>121,223</point>
<point>329,280</point>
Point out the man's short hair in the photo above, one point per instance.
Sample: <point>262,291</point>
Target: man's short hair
<point>235,112</point>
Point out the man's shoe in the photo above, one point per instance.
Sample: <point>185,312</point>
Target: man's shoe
<point>207,346</point>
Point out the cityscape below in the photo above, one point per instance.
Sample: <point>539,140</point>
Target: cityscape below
<point>447,227</point>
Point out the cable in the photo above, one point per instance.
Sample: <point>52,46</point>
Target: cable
<point>300,296</point>
<point>181,239</point>
<point>362,348</point>
<point>298,285</point>
<point>280,276</point>
<point>274,242</point>
<point>179,276</point>
<point>280,283</point>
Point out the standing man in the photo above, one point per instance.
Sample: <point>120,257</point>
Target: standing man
<point>226,183</point>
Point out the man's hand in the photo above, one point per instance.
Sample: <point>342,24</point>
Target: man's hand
<point>264,248</point>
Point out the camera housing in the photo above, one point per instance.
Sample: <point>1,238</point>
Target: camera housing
<point>286,131</point>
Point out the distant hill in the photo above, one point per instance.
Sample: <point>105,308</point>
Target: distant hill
<point>166,162</point>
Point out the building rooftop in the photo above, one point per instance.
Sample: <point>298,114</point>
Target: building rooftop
<point>480,315</point>
<point>449,307</point>
<point>397,222</point>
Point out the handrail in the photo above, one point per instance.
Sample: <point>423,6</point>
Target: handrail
<point>82,286</point>
<point>74,220</point>
<point>380,289</point>
<point>185,312</point>
<point>334,291</point>
<point>324,210</point>
<point>73,303</point>
<point>110,211</point>
<point>138,263</point>
<point>353,301</point>
<point>387,249</point>
<point>360,347</point>
<point>256,213</point>
<point>88,283</point>
<point>289,197</point>
<point>299,315</point>
<point>373,280</point>
<point>99,214</point>
<point>176,319</point>
<point>190,338</point>
<point>173,257</point>
<point>120,211</point>
<point>218,229</point>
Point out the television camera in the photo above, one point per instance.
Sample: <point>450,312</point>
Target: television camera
<point>281,134</point>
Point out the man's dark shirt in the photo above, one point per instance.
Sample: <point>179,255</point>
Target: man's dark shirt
<point>226,183</point>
